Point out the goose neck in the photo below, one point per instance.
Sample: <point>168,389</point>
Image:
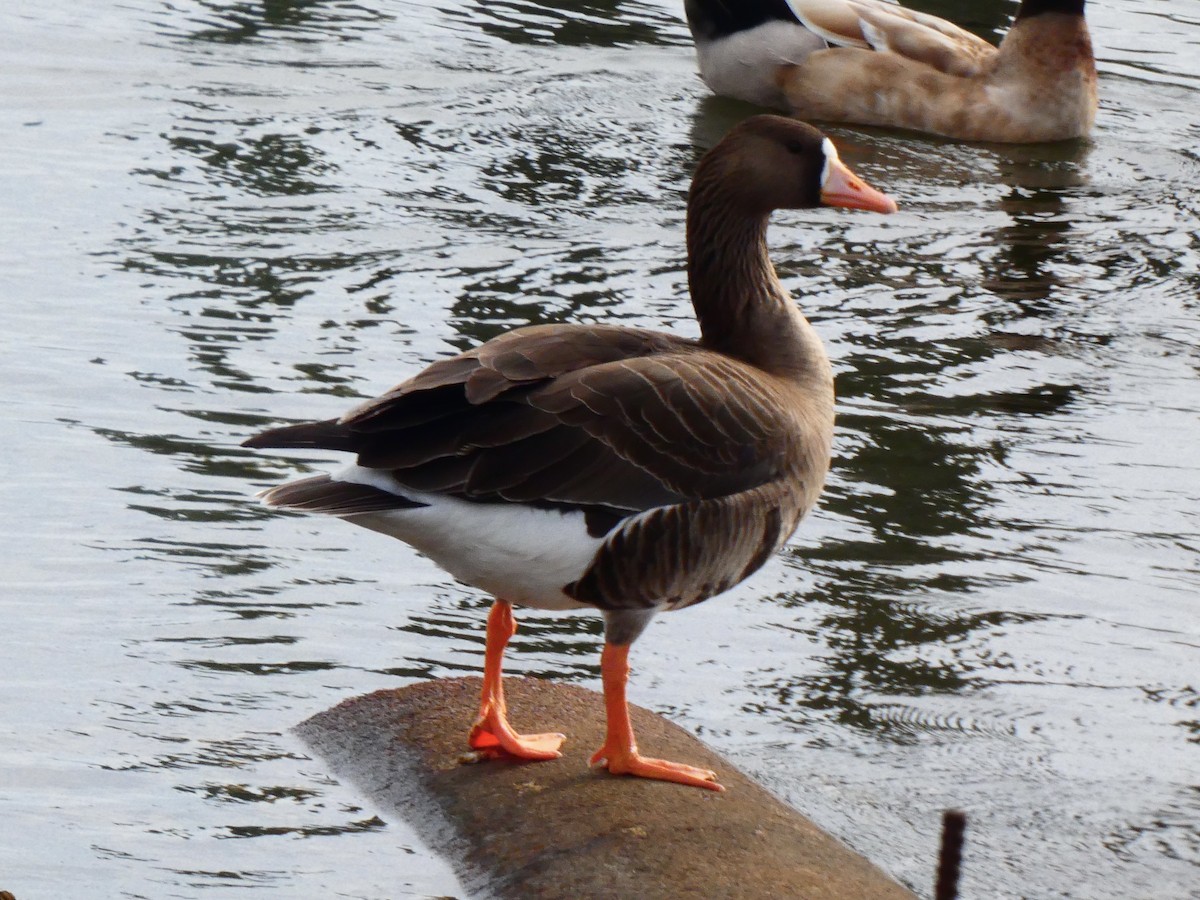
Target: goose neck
<point>743,309</point>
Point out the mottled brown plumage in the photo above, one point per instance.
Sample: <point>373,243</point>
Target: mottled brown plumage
<point>886,65</point>
<point>687,462</point>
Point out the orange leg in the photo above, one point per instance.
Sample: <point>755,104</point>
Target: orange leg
<point>491,732</point>
<point>620,749</point>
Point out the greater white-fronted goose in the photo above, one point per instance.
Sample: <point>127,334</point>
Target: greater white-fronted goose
<point>565,466</point>
<point>872,62</point>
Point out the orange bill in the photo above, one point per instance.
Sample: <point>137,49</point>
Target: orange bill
<point>841,187</point>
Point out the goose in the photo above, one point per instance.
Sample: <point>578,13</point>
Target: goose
<point>873,62</point>
<point>626,470</point>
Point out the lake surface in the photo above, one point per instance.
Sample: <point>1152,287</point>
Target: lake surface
<point>222,215</point>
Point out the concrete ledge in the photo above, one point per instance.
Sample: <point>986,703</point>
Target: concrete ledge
<point>561,830</point>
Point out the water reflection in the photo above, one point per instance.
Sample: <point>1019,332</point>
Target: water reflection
<point>266,20</point>
<point>573,23</point>
<point>262,602</point>
<point>230,753</point>
<point>372,823</point>
<point>263,165</point>
<point>562,647</point>
<point>1039,245</point>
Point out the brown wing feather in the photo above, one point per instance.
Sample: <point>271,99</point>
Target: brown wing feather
<point>584,415</point>
<point>688,419</point>
<point>505,365</point>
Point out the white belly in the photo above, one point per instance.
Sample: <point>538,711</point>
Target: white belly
<point>513,552</point>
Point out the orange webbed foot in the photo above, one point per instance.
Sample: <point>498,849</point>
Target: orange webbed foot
<point>492,735</point>
<point>620,750</point>
<point>622,762</point>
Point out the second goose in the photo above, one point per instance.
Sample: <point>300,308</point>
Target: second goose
<point>873,62</point>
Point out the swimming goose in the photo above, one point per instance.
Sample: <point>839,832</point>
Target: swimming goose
<point>633,471</point>
<point>872,62</point>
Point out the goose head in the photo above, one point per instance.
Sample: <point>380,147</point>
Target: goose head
<point>767,163</point>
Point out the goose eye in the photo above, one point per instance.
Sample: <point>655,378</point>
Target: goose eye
<point>795,147</point>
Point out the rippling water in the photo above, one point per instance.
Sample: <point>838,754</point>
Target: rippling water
<point>217,215</point>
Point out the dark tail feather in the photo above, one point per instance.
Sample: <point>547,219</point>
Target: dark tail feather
<point>327,435</point>
<point>322,494</point>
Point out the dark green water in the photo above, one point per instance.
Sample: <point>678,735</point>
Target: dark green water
<point>221,214</point>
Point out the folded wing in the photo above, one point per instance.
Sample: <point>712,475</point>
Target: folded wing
<point>890,28</point>
<point>574,416</point>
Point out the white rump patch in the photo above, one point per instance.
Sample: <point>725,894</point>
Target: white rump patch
<point>518,553</point>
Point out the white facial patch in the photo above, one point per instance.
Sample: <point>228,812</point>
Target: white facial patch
<point>831,159</point>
